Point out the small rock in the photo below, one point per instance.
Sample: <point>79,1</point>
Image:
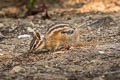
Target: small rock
<point>0,50</point>
<point>1,54</point>
<point>101,52</point>
<point>9,51</point>
<point>30,29</point>
<point>1,25</point>
<point>1,35</point>
<point>117,49</point>
<point>24,36</point>
<point>98,78</point>
<point>16,69</point>
<point>49,22</point>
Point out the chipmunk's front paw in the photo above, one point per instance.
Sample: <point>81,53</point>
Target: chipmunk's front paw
<point>67,46</point>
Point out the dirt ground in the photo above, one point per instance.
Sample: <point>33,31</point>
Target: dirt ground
<point>98,59</point>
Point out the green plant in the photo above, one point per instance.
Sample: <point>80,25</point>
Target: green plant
<point>31,4</point>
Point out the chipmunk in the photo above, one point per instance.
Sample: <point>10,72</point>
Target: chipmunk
<point>55,36</point>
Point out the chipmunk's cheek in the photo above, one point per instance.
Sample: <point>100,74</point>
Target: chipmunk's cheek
<point>67,46</point>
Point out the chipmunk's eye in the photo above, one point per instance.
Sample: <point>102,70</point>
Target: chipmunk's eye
<point>68,32</point>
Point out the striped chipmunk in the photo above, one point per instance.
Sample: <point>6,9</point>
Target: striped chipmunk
<point>55,36</point>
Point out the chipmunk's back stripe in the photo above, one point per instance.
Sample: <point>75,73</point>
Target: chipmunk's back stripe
<point>57,28</point>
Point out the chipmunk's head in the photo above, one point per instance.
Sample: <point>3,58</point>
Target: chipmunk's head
<point>37,42</point>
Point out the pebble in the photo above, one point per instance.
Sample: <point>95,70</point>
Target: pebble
<point>30,29</point>
<point>1,35</point>
<point>1,54</point>
<point>24,36</point>
<point>0,50</point>
<point>101,52</point>
<point>1,25</point>
<point>16,69</point>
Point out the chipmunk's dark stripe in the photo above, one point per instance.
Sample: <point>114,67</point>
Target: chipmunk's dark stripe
<point>55,25</point>
<point>59,26</point>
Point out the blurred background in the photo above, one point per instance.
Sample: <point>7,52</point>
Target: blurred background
<point>23,8</point>
<point>94,56</point>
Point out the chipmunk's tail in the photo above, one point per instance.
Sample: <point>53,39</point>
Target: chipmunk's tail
<point>37,42</point>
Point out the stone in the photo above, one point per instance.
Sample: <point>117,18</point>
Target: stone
<point>16,69</point>
<point>1,25</point>
<point>101,52</point>
<point>0,50</point>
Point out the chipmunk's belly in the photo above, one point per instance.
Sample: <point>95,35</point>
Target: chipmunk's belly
<point>54,41</point>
